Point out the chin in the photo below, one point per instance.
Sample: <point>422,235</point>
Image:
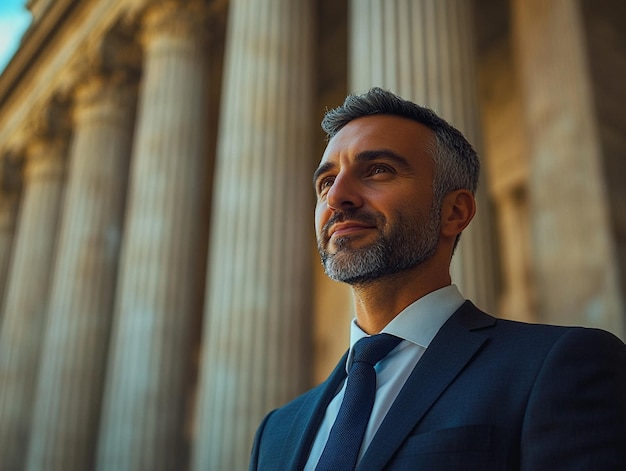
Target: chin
<point>349,243</point>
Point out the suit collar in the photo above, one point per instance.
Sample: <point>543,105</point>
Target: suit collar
<point>308,419</point>
<point>448,354</point>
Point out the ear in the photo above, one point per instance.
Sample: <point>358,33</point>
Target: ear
<point>457,211</point>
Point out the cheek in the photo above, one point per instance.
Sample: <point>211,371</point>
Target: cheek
<point>321,216</point>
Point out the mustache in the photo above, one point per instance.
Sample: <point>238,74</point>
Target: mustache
<point>357,215</point>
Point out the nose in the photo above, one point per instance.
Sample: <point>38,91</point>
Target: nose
<point>344,193</point>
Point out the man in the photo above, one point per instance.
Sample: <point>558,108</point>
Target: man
<point>459,389</point>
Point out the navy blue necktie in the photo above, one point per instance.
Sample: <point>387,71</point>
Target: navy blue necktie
<point>344,442</point>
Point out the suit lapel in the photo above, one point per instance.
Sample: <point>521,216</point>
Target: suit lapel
<point>308,419</point>
<point>449,352</point>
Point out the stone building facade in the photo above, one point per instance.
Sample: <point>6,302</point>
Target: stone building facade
<point>160,290</point>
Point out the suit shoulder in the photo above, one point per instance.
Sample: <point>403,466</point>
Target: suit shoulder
<point>533,339</point>
<point>566,334</point>
<point>552,345</point>
<point>473,318</point>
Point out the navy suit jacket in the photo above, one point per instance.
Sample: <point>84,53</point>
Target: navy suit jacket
<point>488,394</point>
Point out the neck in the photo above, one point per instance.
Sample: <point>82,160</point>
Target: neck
<point>378,302</point>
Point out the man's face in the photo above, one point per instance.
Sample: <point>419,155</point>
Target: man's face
<point>375,214</point>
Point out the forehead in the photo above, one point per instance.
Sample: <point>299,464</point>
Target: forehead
<point>404,136</point>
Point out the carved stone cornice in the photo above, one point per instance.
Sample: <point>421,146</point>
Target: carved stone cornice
<point>32,45</point>
<point>49,120</point>
<point>38,8</point>
<point>45,140</point>
<point>46,157</point>
<point>11,167</point>
<point>10,187</point>
<point>46,121</point>
<point>115,57</point>
<point>113,92</point>
<point>175,18</point>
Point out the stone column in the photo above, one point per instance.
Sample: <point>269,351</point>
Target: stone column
<point>157,306</point>
<point>518,295</point>
<point>26,295</point>
<point>257,314</point>
<point>73,362</point>
<point>575,258</point>
<point>424,51</point>
<point>8,209</point>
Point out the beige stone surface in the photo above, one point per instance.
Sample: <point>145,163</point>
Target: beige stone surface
<point>71,375</point>
<point>8,213</point>
<point>149,370</point>
<point>257,336</point>
<point>573,250</point>
<point>26,295</point>
<point>506,163</point>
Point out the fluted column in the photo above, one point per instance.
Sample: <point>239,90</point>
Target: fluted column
<point>574,253</point>
<point>8,209</point>
<point>71,376</point>
<point>157,307</point>
<point>424,51</point>
<point>257,315</point>
<point>518,295</point>
<point>26,295</point>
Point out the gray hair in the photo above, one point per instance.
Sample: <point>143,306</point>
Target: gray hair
<point>456,162</point>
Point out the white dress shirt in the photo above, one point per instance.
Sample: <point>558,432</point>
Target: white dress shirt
<point>416,325</point>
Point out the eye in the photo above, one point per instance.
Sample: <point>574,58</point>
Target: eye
<point>380,169</point>
<point>325,183</point>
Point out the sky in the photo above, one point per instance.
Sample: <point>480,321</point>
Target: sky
<point>14,19</point>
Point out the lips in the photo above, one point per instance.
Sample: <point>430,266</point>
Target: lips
<point>348,227</point>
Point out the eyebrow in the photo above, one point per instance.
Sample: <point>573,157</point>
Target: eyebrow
<point>365,156</point>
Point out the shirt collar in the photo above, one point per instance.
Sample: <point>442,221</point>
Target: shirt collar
<point>420,321</point>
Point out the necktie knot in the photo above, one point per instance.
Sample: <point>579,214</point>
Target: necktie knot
<point>373,349</point>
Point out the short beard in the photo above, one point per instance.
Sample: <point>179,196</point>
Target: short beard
<point>407,244</point>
